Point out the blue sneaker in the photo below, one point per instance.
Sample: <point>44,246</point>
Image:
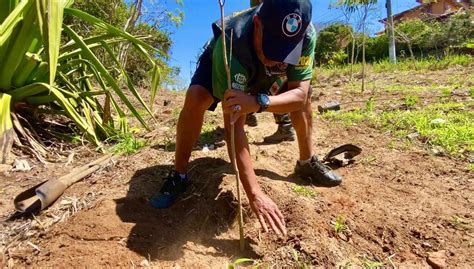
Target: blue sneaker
<point>174,185</point>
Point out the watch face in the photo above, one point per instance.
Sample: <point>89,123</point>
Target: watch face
<point>263,100</point>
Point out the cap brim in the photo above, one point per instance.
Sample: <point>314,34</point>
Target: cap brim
<point>286,52</point>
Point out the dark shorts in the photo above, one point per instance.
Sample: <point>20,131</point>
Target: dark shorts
<point>203,74</point>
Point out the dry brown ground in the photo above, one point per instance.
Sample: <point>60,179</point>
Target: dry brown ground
<point>398,202</point>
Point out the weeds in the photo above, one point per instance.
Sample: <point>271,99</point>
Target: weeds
<point>169,144</point>
<point>126,143</point>
<point>347,117</point>
<point>446,91</point>
<point>403,65</point>
<point>459,223</point>
<point>299,264</point>
<point>303,191</point>
<point>370,104</point>
<point>371,264</point>
<point>340,224</point>
<point>470,167</point>
<point>207,133</point>
<point>411,100</point>
<point>455,135</point>
<point>237,263</point>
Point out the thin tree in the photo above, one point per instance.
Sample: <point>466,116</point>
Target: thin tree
<point>347,11</point>
<point>361,8</point>
<point>135,13</point>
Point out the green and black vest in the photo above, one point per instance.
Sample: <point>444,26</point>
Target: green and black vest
<point>247,72</point>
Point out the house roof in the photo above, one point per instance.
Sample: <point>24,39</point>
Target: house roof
<point>421,6</point>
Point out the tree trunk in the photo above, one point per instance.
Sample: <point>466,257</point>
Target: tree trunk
<point>366,10</point>
<point>135,13</point>
<point>412,55</point>
<point>363,61</point>
<point>352,55</point>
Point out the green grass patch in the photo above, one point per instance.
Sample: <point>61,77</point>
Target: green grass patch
<point>470,167</point>
<point>411,100</point>
<point>417,88</point>
<point>169,144</point>
<point>431,63</point>
<point>403,88</point>
<point>455,134</point>
<point>347,117</point>
<point>207,133</point>
<point>126,143</point>
<point>303,191</point>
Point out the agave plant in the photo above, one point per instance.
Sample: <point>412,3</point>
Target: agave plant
<point>41,71</point>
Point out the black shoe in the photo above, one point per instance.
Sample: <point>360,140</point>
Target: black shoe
<point>174,185</point>
<point>317,173</point>
<point>251,120</point>
<point>283,133</point>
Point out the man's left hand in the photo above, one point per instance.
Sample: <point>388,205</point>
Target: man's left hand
<point>237,99</point>
<point>268,213</point>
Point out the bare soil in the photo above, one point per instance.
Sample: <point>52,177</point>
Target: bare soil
<point>400,203</point>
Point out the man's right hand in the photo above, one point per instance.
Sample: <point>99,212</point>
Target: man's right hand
<point>268,213</point>
<point>235,98</point>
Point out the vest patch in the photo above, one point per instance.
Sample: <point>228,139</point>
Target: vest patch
<point>238,86</point>
<point>240,78</point>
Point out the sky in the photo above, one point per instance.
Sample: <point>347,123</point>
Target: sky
<point>195,30</point>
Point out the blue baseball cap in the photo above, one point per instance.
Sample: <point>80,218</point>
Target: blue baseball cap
<point>284,26</point>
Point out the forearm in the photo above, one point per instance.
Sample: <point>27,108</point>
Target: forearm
<point>243,159</point>
<point>292,100</point>
<point>266,210</point>
<point>289,101</point>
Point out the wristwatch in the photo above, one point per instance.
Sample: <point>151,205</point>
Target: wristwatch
<point>263,101</point>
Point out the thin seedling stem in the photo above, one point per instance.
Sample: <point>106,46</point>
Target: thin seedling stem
<point>232,129</point>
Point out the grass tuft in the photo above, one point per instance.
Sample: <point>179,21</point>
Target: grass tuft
<point>371,264</point>
<point>459,223</point>
<point>470,167</point>
<point>411,100</point>
<point>240,261</point>
<point>126,143</point>
<point>340,224</point>
<point>207,133</point>
<point>303,191</point>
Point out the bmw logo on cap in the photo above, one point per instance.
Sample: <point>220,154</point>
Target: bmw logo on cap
<point>292,24</point>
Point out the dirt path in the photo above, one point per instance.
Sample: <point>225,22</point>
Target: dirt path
<point>398,203</point>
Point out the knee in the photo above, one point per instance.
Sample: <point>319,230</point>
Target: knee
<point>198,98</point>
